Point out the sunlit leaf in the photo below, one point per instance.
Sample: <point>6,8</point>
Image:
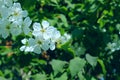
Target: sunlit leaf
<point>76,65</point>
<point>57,65</point>
<point>91,60</point>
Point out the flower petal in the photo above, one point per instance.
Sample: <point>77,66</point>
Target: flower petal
<point>37,49</point>
<point>45,24</point>
<point>36,33</point>
<point>52,46</point>
<point>26,30</point>
<point>22,48</point>
<point>31,42</point>
<point>27,22</point>
<point>36,26</point>
<point>24,13</point>
<point>5,34</point>
<point>24,41</point>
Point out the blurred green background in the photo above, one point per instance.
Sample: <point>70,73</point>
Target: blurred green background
<point>93,53</point>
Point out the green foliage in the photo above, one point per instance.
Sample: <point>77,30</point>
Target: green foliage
<point>57,66</point>
<point>76,65</point>
<point>39,77</point>
<point>63,77</point>
<point>92,51</point>
<point>91,60</point>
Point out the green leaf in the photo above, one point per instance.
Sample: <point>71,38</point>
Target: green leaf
<point>54,1</point>
<point>63,77</point>
<point>64,20</point>
<point>39,77</point>
<point>81,77</point>
<point>102,65</point>
<point>2,78</point>
<point>76,65</point>
<point>4,50</point>
<point>93,78</point>
<point>91,60</point>
<point>57,65</point>
<point>1,73</point>
<point>67,47</point>
<point>38,61</point>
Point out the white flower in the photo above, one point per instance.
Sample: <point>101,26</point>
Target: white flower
<point>17,14</point>
<point>15,30</point>
<point>67,36</point>
<point>4,12</point>
<point>17,11</point>
<point>8,3</point>
<point>5,28</point>
<point>26,46</point>
<point>26,24</point>
<point>63,39</point>
<point>55,38</point>
<point>13,20</point>
<point>39,44</point>
<point>24,41</point>
<point>44,30</point>
<point>55,35</point>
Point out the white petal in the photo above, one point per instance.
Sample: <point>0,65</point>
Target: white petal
<point>46,36</point>
<point>24,41</point>
<point>36,33</point>
<point>51,29</point>
<point>49,32</point>
<point>4,12</point>
<point>45,24</point>
<point>22,48</point>
<point>52,46</point>
<point>17,5</point>
<point>27,22</point>
<point>9,2</point>
<point>5,34</point>
<point>24,13</point>
<point>11,18</point>
<point>45,46</point>
<point>31,42</point>
<point>37,49</point>
<point>26,30</point>
<point>15,31</point>
<point>28,49</point>
<point>31,49</point>
<point>36,26</point>
<point>56,35</point>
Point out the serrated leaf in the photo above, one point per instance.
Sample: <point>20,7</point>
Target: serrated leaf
<point>91,60</point>
<point>76,65</point>
<point>57,65</point>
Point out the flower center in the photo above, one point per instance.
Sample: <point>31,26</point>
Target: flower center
<point>43,30</point>
<point>39,42</point>
<point>16,13</point>
<point>8,27</point>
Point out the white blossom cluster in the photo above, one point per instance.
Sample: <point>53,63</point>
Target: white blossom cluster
<point>45,37</point>
<point>115,46</point>
<point>13,20</point>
